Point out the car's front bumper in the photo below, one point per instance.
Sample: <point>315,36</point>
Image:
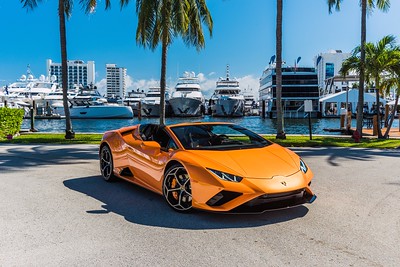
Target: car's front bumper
<point>252,195</point>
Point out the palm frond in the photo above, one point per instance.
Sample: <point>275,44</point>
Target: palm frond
<point>334,4</point>
<point>383,5</point>
<point>30,4</point>
<point>68,5</point>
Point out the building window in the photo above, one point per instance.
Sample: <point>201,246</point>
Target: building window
<point>329,70</point>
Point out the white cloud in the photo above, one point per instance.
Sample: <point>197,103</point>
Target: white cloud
<point>132,84</point>
<point>102,86</point>
<point>250,83</point>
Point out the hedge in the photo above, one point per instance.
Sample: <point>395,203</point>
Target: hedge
<point>10,121</point>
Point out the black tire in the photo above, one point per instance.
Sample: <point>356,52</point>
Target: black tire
<point>106,164</point>
<point>176,188</point>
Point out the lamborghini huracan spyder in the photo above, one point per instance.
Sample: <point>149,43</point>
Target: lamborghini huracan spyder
<point>210,166</point>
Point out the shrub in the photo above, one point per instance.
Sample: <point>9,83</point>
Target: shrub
<point>10,121</point>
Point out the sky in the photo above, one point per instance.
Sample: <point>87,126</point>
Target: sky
<point>243,37</point>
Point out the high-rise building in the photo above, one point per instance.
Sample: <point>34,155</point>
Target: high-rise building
<point>328,66</point>
<point>79,72</point>
<point>116,85</point>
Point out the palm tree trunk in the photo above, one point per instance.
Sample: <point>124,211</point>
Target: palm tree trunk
<point>279,114</point>
<point>386,135</point>
<point>163,82</point>
<point>69,133</point>
<point>360,105</point>
<point>378,104</point>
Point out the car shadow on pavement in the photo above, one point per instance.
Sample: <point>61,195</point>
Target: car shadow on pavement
<point>18,158</point>
<point>140,206</point>
<point>336,154</point>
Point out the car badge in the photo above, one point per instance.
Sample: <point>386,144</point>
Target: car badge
<point>284,183</point>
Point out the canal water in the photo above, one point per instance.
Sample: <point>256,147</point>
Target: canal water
<point>254,123</point>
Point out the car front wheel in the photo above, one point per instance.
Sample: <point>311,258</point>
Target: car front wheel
<point>177,190</point>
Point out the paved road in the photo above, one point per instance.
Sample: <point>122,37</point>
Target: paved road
<point>57,211</point>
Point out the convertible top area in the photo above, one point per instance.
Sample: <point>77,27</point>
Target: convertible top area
<point>206,136</point>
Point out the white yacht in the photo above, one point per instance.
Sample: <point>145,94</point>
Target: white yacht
<point>298,84</point>
<point>151,102</point>
<point>133,100</point>
<point>19,86</point>
<point>89,104</point>
<point>187,100</point>
<point>250,104</point>
<point>227,100</point>
<point>29,89</point>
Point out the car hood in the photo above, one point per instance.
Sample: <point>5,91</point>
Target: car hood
<point>265,162</point>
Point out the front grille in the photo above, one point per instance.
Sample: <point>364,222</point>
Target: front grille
<point>274,201</point>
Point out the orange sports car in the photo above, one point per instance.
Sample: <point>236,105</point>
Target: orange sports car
<point>219,167</point>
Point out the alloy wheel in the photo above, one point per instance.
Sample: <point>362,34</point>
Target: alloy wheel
<point>177,189</point>
<point>106,164</point>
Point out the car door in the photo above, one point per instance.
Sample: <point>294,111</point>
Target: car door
<point>151,156</point>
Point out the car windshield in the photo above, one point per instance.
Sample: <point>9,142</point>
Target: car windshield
<point>218,137</point>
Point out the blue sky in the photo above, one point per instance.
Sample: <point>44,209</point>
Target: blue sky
<point>243,37</point>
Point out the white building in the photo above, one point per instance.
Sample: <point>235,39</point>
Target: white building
<point>328,66</point>
<point>116,77</point>
<point>79,72</point>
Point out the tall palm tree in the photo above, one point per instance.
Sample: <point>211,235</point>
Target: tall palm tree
<point>379,58</point>
<point>278,69</point>
<point>159,21</point>
<point>64,12</point>
<point>382,5</point>
<point>393,81</point>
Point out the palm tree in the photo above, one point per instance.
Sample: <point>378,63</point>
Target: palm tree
<point>393,81</point>
<point>159,21</point>
<point>382,5</point>
<point>64,11</point>
<point>278,69</point>
<point>379,58</point>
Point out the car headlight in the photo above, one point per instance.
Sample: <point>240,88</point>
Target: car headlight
<point>303,166</point>
<point>226,176</point>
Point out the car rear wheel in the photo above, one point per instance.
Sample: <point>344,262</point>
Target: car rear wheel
<point>106,164</point>
<point>176,188</point>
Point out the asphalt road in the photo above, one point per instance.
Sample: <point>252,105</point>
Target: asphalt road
<point>55,210</point>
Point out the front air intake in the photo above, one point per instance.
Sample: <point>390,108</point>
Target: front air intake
<point>126,172</point>
<point>222,197</point>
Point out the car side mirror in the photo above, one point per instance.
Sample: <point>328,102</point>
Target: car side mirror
<point>151,147</point>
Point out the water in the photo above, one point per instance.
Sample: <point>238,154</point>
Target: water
<point>254,123</point>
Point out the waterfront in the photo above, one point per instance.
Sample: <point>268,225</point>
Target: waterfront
<point>255,123</point>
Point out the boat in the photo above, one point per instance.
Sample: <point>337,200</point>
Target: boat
<point>298,84</point>
<point>227,100</point>
<point>187,100</point>
<point>250,104</point>
<point>151,103</point>
<point>133,100</point>
<point>21,84</point>
<point>28,88</point>
<point>89,104</point>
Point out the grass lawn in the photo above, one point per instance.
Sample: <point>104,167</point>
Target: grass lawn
<point>50,138</point>
<point>291,141</point>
